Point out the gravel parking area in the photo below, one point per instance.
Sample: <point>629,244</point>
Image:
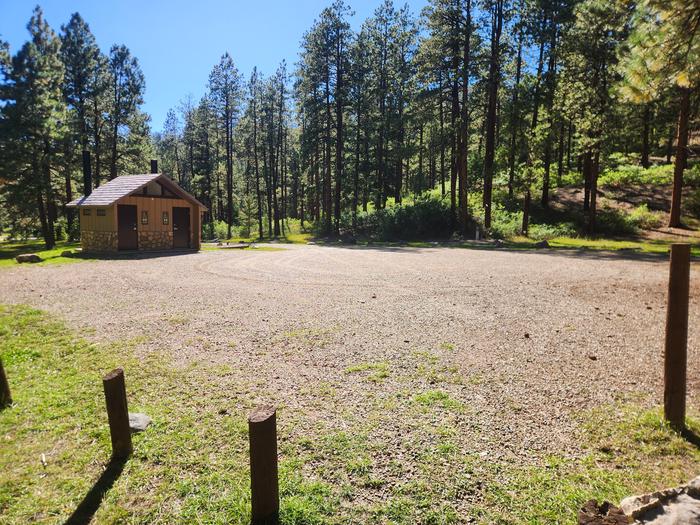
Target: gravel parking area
<point>339,336</point>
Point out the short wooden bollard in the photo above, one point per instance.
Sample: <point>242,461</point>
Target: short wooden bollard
<point>676,345</point>
<point>264,485</point>
<point>5,397</point>
<point>117,413</point>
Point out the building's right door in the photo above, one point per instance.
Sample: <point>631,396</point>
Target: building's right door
<point>127,227</point>
<point>181,227</point>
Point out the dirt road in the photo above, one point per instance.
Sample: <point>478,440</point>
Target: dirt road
<point>523,340</point>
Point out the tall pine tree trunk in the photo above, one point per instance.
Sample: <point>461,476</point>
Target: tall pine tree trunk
<point>464,124</point>
<point>593,207</point>
<point>338,133</point>
<point>441,106</point>
<point>569,136</point>
<point>514,115</point>
<point>560,154</point>
<point>398,183</point>
<point>646,117</point>
<point>47,206</point>
<point>681,158</point>
<point>526,213</point>
<point>114,151</point>
<point>669,143</point>
<point>229,169</point>
<point>587,176</point>
<point>327,202</point>
<point>494,72</point>
<point>356,177</point>
<point>551,84</point>
<point>418,186</point>
<point>256,163</point>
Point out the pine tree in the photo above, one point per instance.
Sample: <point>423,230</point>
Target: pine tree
<point>225,85</point>
<point>496,8</point>
<point>254,90</point>
<point>80,54</point>
<point>589,56</point>
<point>665,52</point>
<point>33,125</point>
<point>126,87</point>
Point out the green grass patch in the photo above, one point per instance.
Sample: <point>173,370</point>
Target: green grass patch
<point>377,371</point>
<point>293,233</point>
<point>437,398</point>
<point>310,337</point>
<point>10,250</point>
<point>646,246</point>
<point>630,451</point>
<point>190,466</point>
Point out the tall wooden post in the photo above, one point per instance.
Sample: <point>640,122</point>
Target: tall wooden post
<point>117,413</point>
<point>264,486</point>
<point>676,347</point>
<point>5,397</point>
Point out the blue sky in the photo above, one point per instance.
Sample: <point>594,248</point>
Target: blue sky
<point>178,42</point>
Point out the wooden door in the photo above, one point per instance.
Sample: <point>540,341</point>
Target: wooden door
<point>181,227</point>
<point>127,227</point>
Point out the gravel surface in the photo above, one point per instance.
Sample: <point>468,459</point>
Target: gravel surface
<point>524,341</point>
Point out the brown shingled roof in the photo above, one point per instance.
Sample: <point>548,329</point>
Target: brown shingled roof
<point>110,192</point>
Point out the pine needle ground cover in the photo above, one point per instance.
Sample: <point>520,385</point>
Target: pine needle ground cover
<point>191,465</point>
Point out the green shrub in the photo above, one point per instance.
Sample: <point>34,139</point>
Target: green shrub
<point>692,204</point>
<point>60,229</point>
<point>541,232</point>
<point>629,174</point>
<point>427,218</point>
<point>617,159</point>
<point>662,175</point>
<point>646,219</point>
<point>504,223</point>
<point>220,230</point>
<point>572,178</point>
<point>612,221</point>
<point>618,222</point>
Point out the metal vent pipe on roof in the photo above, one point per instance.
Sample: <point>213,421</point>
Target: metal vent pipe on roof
<point>154,166</point>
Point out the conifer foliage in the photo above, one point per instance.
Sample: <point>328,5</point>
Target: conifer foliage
<point>473,103</point>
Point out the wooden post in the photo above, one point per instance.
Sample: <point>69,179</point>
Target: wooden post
<point>5,397</point>
<point>264,487</point>
<point>118,413</point>
<point>676,347</point>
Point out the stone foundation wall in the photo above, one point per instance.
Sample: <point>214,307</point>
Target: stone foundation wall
<point>93,241</point>
<point>155,240</point>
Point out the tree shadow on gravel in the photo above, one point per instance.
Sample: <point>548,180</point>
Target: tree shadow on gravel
<point>521,248</point>
<point>130,254</point>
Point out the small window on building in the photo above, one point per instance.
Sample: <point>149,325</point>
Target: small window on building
<point>144,217</point>
<point>87,211</point>
<point>166,218</point>
<point>101,212</point>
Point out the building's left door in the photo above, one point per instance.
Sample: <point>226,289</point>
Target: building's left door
<point>128,227</point>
